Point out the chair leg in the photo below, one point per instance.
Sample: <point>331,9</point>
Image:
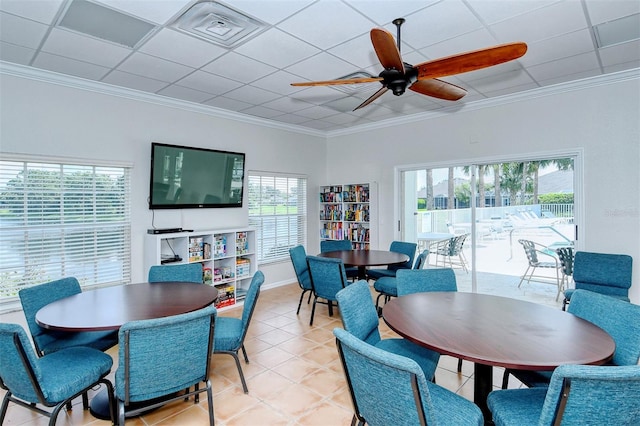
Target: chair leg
<point>313,309</point>
<point>459,365</point>
<point>378,308</point>
<point>505,379</point>
<point>5,405</point>
<point>330,308</point>
<point>300,302</point>
<point>210,401</point>
<point>85,401</point>
<point>244,352</point>
<point>244,383</point>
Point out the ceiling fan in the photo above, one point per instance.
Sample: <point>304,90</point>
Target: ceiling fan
<point>422,78</point>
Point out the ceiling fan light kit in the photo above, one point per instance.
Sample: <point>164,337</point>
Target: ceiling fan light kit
<point>422,78</point>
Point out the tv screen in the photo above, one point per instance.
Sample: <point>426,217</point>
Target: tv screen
<point>184,177</point>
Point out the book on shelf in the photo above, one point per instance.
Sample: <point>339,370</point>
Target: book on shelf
<point>220,246</point>
<point>196,249</point>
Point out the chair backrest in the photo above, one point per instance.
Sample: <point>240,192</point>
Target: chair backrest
<point>250,301</point>
<point>328,276</point>
<point>299,260</point>
<point>530,251</point>
<point>19,366</point>
<point>385,388</point>
<point>603,273</point>
<point>160,356</point>
<point>358,312</point>
<point>595,395</point>
<point>565,255</point>
<point>457,244</point>
<point>190,272</point>
<point>36,297</point>
<point>421,260</point>
<point>422,280</point>
<point>618,318</point>
<point>403,247</point>
<point>335,245</point>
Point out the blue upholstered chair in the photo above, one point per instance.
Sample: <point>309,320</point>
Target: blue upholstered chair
<point>148,377</point>
<point>299,260</point>
<point>230,332</point>
<point>339,245</point>
<point>327,278</point>
<point>618,318</point>
<point>48,341</point>
<point>52,380</point>
<point>188,272</point>
<point>424,280</point>
<point>577,395</point>
<point>398,247</point>
<point>387,286</point>
<point>389,389</point>
<point>360,318</point>
<point>604,273</point>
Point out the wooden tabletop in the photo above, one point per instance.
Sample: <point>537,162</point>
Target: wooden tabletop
<point>367,257</point>
<point>498,331</point>
<point>110,307</point>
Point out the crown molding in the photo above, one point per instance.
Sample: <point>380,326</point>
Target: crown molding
<point>37,74</point>
<point>45,76</point>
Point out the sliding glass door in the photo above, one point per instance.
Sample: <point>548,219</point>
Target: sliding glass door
<point>478,218</point>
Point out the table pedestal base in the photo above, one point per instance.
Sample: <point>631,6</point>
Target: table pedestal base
<point>482,385</point>
<point>99,406</point>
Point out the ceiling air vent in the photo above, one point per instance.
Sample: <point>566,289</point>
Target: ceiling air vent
<point>101,22</point>
<point>218,24</point>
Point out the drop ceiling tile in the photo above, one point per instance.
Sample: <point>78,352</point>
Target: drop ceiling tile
<point>155,11</point>
<point>210,83</point>
<point>278,82</point>
<point>317,112</point>
<point>134,81</point>
<point>269,11</point>
<point>428,27</point>
<point>559,18</point>
<point>21,31</point>
<point>607,10</point>
<point>39,10</point>
<point>501,81</point>
<point>333,23</point>
<point>87,49</point>
<point>566,66</point>
<point>181,48</point>
<point>569,77</point>
<point>383,12</point>
<point>321,67</point>
<point>492,11</point>
<point>620,53</point>
<point>291,119</point>
<point>16,54</point>
<point>156,68</point>
<point>555,48</point>
<point>622,67</point>
<point>228,104</point>
<point>288,104</point>
<point>239,68</point>
<point>358,51</point>
<point>277,48</point>
<point>175,91</point>
<point>252,95</point>
<point>478,39</point>
<point>511,90</point>
<point>69,66</point>
<point>490,72</point>
<point>261,111</point>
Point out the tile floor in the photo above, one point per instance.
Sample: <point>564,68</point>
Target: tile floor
<point>294,375</point>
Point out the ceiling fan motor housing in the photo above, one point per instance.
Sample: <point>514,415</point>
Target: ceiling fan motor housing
<point>397,81</point>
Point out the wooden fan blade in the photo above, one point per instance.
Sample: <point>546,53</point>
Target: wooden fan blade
<point>386,49</point>
<point>438,89</point>
<point>372,98</point>
<point>470,61</point>
<point>341,81</point>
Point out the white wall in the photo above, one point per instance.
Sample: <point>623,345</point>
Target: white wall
<point>52,120</point>
<point>601,121</point>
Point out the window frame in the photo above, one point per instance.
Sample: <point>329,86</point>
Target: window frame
<point>290,227</point>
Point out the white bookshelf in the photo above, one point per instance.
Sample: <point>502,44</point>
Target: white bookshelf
<point>345,214</point>
<point>227,256</point>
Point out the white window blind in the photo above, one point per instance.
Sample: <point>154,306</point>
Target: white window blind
<point>61,220</point>
<point>278,212</point>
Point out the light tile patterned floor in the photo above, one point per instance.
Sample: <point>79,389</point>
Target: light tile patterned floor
<point>294,375</point>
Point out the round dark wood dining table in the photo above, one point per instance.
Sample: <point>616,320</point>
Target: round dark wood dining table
<point>109,308</point>
<point>364,258</point>
<point>497,331</point>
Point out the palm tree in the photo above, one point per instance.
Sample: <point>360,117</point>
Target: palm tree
<point>450,193</point>
<point>497,190</point>
<point>429,190</point>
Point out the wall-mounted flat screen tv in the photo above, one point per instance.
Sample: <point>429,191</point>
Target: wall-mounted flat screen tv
<point>185,177</point>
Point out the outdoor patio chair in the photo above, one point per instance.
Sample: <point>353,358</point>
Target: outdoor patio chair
<point>535,252</point>
<point>450,252</point>
<point>390,389</point>
<point>603,273</point>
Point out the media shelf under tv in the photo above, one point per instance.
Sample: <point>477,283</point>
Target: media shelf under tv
<point>227,256</point>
